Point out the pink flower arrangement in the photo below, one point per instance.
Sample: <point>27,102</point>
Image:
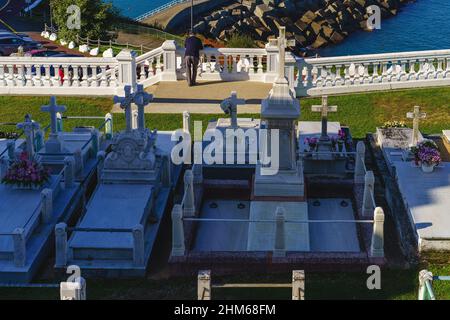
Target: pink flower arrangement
<point>26,172</point>
<point>429,156</point>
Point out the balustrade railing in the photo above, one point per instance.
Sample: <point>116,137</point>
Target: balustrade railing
<point>308,77</point>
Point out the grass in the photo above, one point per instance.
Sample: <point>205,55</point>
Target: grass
<point>362,112</point>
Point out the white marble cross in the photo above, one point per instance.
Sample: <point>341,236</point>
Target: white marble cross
<point>29,127</point>
<point>416,115</point>
<point>324,109</point>
<point>282,43</point>
<point>125,104</point>
<point>229,106</point>
<point>53,109</point>
<point>141,99</point>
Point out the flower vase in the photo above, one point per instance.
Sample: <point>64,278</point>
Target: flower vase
<point>427,168</point>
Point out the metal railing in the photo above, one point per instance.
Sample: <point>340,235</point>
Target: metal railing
<point>159,9</point>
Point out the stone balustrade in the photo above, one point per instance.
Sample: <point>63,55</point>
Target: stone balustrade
<point>308,77</point>
<point>347,74</point>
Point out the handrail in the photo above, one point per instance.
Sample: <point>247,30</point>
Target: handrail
<point>159,9</point>
<point>274,221</point>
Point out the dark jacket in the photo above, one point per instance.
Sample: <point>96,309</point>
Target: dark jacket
<point>193,46</point>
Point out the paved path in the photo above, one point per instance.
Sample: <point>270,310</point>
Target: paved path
<point>176,97</point>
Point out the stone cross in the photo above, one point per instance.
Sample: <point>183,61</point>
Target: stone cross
<point>416,115</point>
<point>141,99</point>
<point>282,43</point>
<point>324,109</point>
<point>53,109</point>
<point>229,106</point>
<point>125,104</point>
<point>29,126</point>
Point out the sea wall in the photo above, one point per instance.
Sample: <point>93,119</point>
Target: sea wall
<point>180,22</point>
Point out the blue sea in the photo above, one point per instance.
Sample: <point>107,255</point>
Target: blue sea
<point>422,25</point>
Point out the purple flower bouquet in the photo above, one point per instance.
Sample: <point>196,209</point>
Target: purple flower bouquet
<point>26,173</point>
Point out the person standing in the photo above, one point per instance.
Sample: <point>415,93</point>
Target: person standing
<point>193,45</point>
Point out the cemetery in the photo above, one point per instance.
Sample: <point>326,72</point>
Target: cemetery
<point>297,186</point>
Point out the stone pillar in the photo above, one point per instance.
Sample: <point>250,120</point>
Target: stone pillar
<point>94,142</point>
<point>20,250</point>
<point>360,170</point>
<point>169,60</point>
<point>369,184</point>
<point>47,205</point>
<point>272,63</point>
<point>178,246</point>
<point>280,243</point>
<point>109,126</point>
<point>61,245</point>
<point>204,285</point>
<point>377,245</point>
<point>73,290</point>
<point>79,163</point>
<point>101,161</point>
<point>166,177</point>
<point>59,122</point>
<point>11,146</point>
<point>138,246</point>
<point>290,70</point>
<point>189,198</point>
<point>127,70</point>
<point>198,173</point>
<point>134,119</point>
<point>298,285</point>
<point>187,122</point>
<point>69,171</point>
<point>39,140</point>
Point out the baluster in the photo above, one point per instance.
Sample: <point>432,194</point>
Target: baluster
<point>375,76</point>
<point>329,76</point>
<point>217,64</point>
<point>412,70</point>
<point>38,78</point>
<point>337,76</point>
<point>440,69</point>
<point>76,76</point>
<point>104,79</point>
<point>421,74</point>
<point>94,82</point>
<point>85,78</point>
<point>47,81</point>
<point>158,64</point>
<point>11,78</point>
<point>67,76</point>
<point>234,62</point>
<point>384,75</point>
<point>208,63</point>
<point>225,64</point>
<point>446,74</point>
<point>402,76</point>
<point>319,80</point>
<point>366,76</point>
<point>20,75</point>
<point>260,65</point>
<point>29,76</point>
<point>251,59</point>
<point>113,78</point>
<point>347,78</point>
<point>3,82</point>
<point>143,73</point>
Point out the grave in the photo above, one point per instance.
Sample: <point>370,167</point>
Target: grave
<point>424,196</point>
<point>232,216</point>
<point>28,215</point>
<point>83,143</point>
<point>396,142</point>
<point>116,234</point>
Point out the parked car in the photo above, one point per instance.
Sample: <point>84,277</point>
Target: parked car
<point>10,44</point>
<point>42,53</point>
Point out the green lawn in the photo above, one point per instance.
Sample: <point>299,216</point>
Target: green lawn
<point>362,112</point>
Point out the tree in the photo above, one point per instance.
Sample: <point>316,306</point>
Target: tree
<point>96,18</point>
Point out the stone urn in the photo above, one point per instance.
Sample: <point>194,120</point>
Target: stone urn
<point>428,168</point>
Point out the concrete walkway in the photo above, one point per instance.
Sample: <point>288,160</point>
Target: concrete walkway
<point>176,97</point>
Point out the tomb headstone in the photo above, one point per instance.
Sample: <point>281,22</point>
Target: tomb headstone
<point>53,144</point>
<point>416,115</point>
<point>29,127</point>
<point>280,112</point>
